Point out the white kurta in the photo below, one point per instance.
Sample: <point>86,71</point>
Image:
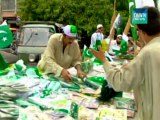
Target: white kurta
<point>96,36</point>
<point>54,59</point>
<point>142,75</point>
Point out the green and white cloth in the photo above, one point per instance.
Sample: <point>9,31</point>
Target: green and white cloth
<point>6,36</point>
<point>124,44</point>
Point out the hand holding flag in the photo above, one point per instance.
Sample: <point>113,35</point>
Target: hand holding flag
<point>99,54</point>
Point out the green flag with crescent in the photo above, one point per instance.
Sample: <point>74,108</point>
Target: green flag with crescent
<point>6,36</point>
<point>86,53</point>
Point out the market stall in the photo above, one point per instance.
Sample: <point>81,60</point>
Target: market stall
<point>26,93</point>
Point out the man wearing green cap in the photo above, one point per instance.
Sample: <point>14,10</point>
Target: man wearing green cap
<point>62,52</point>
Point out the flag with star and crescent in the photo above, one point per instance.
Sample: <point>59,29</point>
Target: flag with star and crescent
<point>86,53</point>
<point>6,36</point>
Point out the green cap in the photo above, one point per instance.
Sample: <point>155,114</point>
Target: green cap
<point>70,30</point>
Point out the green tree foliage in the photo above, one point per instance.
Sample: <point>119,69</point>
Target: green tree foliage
<point>85,14</point>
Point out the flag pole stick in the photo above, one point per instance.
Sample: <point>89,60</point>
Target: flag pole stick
<point>126,30</point>
<point>114,14</point>
<point>112,30</point>
<point>1,17</point>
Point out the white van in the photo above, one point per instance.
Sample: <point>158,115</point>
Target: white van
<point>32,41</point>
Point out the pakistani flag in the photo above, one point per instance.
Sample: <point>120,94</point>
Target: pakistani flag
<point>132,5</point>
<point>118,24</point>
<point>124,44</point>
<point>6,36</point>
<point>86,53</point>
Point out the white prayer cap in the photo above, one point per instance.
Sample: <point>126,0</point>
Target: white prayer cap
<point>99,26</point>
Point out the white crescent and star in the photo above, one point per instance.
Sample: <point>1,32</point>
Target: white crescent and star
<point>4,39</point>
<point>1,31</point>
<point>87,52</point>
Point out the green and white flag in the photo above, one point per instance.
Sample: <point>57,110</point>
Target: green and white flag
<point>6,36</point>
<point>117,21</point>
<point>124,44</point>
<point>132,5</point>
<point>86,53</point>
<point>118,24</point>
